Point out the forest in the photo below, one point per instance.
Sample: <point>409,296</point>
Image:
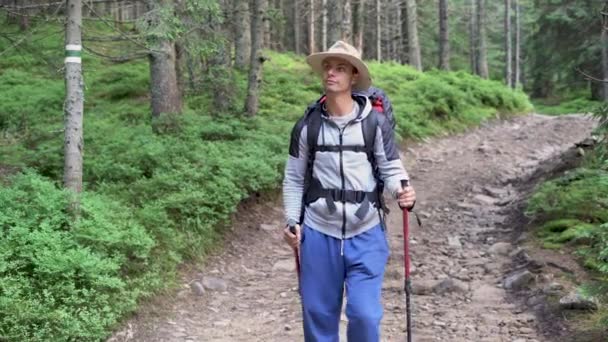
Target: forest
<point>132,130</point>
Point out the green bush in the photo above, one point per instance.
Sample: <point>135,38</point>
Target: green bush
<point>582,195</point>
<point>59,279</point>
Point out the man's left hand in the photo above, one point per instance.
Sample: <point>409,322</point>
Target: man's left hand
<point>406,197</point>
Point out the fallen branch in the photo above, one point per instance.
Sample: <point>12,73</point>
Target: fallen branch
<point>591,78</point>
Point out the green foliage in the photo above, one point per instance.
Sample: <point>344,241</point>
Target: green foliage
<point>581,194</point>
<point>561,231</point>
<point>575,105</point>
<point>63,279</point>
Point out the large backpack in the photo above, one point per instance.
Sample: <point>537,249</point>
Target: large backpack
<point>382,110</point>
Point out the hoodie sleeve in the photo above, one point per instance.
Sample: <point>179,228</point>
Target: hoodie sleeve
<point>295,171</point>
<point>387,158</point>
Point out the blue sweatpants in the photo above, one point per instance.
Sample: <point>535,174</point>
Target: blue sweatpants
<point>324,275</point>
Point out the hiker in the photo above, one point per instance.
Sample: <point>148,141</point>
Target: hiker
<point>333,203</point>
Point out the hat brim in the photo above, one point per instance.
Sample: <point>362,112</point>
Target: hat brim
<point>364,80</point>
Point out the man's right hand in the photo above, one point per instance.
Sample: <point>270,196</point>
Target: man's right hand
<point>293,240</point>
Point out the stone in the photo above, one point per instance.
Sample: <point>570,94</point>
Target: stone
<point>222,323</point>
<point>197,288</point>
<point>422,287</point>
<point>215,284</point>
<point>450,285</point>
<point>269,227</point>
<point>495,192</point>
<point>518,280</point>
<point>500,248</point>
<point>439,324</point>
<point>555,286</point>
<point>454,242</point>
<point>285,265</point>
<point>575,301</point>
<point>535,300</point>
<point>484,199</point>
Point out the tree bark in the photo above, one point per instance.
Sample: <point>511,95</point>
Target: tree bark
<point>335,21</point>
<point>404,52</point>
<point>267,31</point>
<point>473,38</point>
<point>324,25</point>
<point>164,91</point>
<point>74,102</point>
<point>517,45</point>
<point>311,27</point>
<point>296,27</point>
<point>359,24</point>
<point>398,29</point>
<point>508,46</point>
<point>257,58</point>
<point>482,62</point>
<point>347,28</point>
<point>386,34</point>
<point>604,42</point>
<point>444,41</point>
<point>378,31</point>
<point>242,34</point>
<point>412,35</point>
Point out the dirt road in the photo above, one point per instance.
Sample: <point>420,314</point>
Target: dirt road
<point>467,187</point>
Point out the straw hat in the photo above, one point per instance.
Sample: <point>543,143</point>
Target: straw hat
<point>347,52</point>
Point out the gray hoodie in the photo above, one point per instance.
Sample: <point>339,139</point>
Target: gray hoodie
<point>328,169</point>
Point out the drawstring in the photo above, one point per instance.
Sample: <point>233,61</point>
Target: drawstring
<point>342,247</point>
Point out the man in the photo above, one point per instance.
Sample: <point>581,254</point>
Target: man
<point>342,243</point>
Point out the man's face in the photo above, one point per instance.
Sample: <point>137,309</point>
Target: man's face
<point>338,75</point>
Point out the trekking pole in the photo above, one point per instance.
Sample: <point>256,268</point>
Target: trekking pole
<point>296,253</point>
<point>406,256</point>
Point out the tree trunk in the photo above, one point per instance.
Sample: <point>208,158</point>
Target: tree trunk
<point>347,28</point>
<point>482,62</point>
<point>257,59</point>
<point>473,38</point>
<point>386,34</point>
<point>296,27</point>
<point>378,31</point>
<point>335,21</point>
<point>74,102</point>
<point>508,46</point>
<point>604,42</point>
<point>412,35</point>
<point>242,34</point>
<point>24,19</point>
<point>404,51</point>
<point>267,30</point>
<point>444,41</point>
<point>517,58</point>
<point>324,25</point>
<point>398,29</point>
<point>164,90</point>
<point>311,27</point>
<point>358,24</point>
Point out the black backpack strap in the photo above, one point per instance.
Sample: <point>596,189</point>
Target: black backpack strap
<point>369,126</point>
<point>313,126</point>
